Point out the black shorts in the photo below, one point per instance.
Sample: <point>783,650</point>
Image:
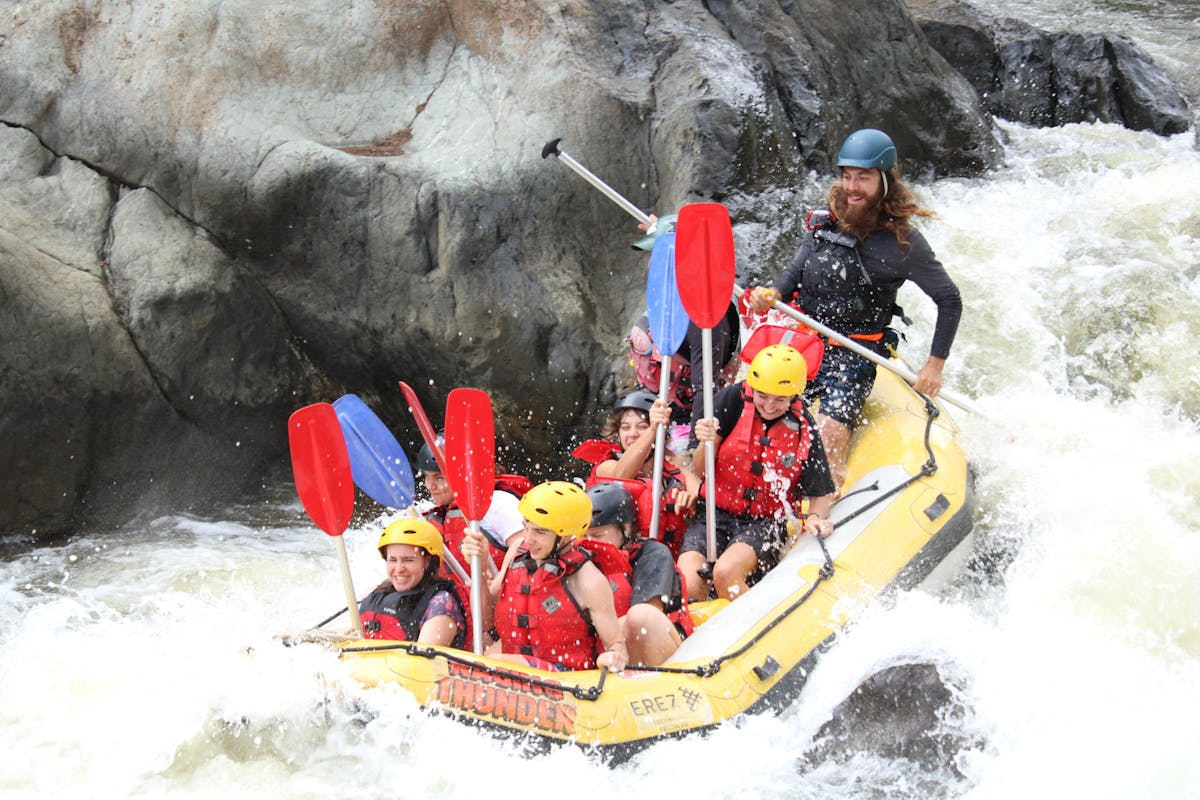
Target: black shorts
<point>842,385</point>
<point>764,534</point>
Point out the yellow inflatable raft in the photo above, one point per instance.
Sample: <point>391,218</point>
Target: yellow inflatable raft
<point>907,505</point>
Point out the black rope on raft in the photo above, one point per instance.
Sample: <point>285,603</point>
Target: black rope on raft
<point>331,618</point>
<point>827,569</point>
<point>713,667</point>
<point>927,469</point>
<point>426,651</point>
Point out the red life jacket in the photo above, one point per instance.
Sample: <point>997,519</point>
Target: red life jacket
<point>516,485</point>
<point>614,563</point>
<point>618,565</point>
<point>388,614</point>
<point>758,468</point>
<point>451,521</point>
<point>453,524</point>
<point>647,366</point>
<point>671,524</point>
<point>537,616</point>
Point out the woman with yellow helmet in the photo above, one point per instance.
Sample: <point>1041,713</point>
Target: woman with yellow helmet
<point>414,603</point>
<point>768,458</point>
<point>550,607</point>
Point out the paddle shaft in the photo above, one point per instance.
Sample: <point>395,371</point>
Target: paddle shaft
<point>710,453</point>
<point>351,603</point>
<point>660,450</point>
<point>430,437</point>
<point>948,394</point>
<point>476,597</point>
<point>604,188</point>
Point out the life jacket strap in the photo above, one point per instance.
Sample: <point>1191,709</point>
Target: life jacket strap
<point>861,337</point>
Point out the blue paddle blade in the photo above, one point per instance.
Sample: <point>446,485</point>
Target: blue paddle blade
<point>377,462</point>
<point>665,311</point>
<point>665,224</point>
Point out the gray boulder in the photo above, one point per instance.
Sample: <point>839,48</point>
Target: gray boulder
<point>1042,78</point>
<point>213,213</point>
<point>908,711</point>
<point>138,360</point>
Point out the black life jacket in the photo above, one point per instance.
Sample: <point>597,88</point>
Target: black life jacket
<point>836,288</point>
<point>388,614</point>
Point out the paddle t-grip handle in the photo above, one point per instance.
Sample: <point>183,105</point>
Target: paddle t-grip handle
<point>552,149</point>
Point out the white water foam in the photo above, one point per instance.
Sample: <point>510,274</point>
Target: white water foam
<point>144,663</point>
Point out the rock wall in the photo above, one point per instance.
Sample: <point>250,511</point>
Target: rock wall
<point>1046,79</point>
<point>215,212</point>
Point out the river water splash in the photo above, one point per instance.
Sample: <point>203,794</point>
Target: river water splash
<point>146,662</point>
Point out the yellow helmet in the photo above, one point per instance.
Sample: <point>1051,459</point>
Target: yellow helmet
<point>412,531</point>
<point>778,369</point>
<point>558,506</point>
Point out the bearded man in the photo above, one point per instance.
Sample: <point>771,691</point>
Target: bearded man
<point>854,258</point>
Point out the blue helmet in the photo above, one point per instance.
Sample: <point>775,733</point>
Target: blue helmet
<point>868,148</point>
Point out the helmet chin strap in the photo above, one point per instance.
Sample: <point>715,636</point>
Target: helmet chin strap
<point>883,174</point>
<point>557,549</point>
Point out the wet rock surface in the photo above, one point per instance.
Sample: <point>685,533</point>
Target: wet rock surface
<point>1047,78</point>
<point>214,213</point>
<point>910,711</point>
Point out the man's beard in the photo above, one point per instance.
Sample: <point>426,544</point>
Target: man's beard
<point>860,220</point>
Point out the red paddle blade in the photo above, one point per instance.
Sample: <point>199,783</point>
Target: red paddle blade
<point>705,269</point>
<point>424,425</point>
<point>321,467</point>
<point>807,344</point>
<point>471,450</point>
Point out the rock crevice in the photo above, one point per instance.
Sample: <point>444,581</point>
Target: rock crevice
<point>186,257</point>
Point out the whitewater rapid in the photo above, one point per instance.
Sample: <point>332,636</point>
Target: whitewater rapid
<point>145,662</point>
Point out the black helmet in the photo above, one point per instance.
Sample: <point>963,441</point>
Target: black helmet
<point>641,399</point>
<point>425,460</point>
<point>611,504</point>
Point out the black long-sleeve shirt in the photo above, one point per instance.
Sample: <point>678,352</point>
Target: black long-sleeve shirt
<point>887,264</point>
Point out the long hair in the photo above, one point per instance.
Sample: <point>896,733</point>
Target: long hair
<point>893,213</point>
<point>612,425</point>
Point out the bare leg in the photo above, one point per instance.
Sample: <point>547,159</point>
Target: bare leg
<point>689,564</point>
<point>836,438</point>
<point>732,569</point>
<point>650,637</point>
